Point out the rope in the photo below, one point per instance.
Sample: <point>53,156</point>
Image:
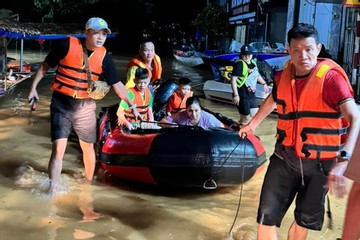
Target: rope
<point>232,151</point>
<point>328,212</point>
<point>240,194</point>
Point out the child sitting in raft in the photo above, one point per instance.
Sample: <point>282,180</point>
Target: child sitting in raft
<point>177,101</point>
<point>141,97</point>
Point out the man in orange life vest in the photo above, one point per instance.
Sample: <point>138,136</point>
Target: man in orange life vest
<point>145,59</point>
<point>71,108</point>
<point>177,101</point>
<point>141,96</point>
<point>313,99</point>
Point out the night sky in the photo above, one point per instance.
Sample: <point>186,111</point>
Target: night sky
<point>116,13</point>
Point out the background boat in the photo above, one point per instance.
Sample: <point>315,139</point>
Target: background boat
<point>220,91</point>
<point>270,60</point>
<point>188,55</point>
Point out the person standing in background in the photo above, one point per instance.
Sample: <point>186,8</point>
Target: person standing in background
<point>245,76</point>
<point>148,59</point>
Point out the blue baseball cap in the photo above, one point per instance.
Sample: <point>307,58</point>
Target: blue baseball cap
<point>97,24</point>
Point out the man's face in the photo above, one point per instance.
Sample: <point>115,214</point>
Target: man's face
<point>303,53</point>
<point>95,39</point>
<point>148,52</point>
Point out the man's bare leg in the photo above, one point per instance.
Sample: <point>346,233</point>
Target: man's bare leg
<point>55,162</point>
<point>89,159</point>
<point>266,232</point>
<point>297,232</point>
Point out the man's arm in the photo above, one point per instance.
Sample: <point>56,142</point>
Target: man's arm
<point>337,183</point>
<point>235,93</point>
<point>265,109</point>
<point>350,111</point>
<point>40,73</point>
<point>121,118</point>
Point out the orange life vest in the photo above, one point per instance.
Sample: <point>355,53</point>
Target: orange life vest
<point>308,124</point>
<point>71,78</point>
<point>177,104</point>
<point>157,68</point>
<point>142,105</point>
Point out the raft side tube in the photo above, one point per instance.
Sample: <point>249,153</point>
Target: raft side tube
<point>190,161</point>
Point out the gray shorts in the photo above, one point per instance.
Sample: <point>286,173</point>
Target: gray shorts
<point>77,114</point>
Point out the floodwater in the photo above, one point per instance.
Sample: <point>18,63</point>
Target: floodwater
<point>113,209</point>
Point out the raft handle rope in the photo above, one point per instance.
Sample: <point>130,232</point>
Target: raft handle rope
<point>173,124</point>
<point>210,183</point>
<point>232,151</point>
<point>229,235</point>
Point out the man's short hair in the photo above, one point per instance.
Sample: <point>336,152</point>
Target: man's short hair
<point>191,101</point>
<point>303,30</point>
<point>141,73</point>
<point>184,81</point>
<point>144,41</point>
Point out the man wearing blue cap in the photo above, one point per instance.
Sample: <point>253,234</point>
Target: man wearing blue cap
<point>71,106</point>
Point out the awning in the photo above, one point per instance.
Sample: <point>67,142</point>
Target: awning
<point>39,31</point>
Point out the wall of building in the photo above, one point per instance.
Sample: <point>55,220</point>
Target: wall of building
<point>327,18</point>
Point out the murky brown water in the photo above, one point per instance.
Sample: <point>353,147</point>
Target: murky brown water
<point>129,211</point>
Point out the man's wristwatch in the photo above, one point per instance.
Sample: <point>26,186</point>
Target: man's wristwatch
<point>132,107</point>
<point>344,155</point>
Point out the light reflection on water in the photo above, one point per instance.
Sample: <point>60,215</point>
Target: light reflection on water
<point>128,210</point>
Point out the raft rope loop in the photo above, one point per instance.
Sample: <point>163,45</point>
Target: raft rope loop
<point>241,191</point>
<point>211,183</point>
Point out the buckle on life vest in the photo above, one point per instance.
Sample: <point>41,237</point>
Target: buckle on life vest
<point>305,151</point>
<point>303,136</point>
<point>281,135</point>
<point>282,103</point>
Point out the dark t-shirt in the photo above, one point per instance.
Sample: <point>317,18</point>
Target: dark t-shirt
<point>60,50</point>
<point>238,68</point>
<point>238,71</point>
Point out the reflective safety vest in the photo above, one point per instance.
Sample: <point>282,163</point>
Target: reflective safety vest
<point>245,72</point>
<point>157,68</point>
<point>71,77</point>
<point>177,103</point>
<point>308,124</point>
<point>142,105</point>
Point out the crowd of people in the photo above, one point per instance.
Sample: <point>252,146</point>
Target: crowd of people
<point>313,97</point>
